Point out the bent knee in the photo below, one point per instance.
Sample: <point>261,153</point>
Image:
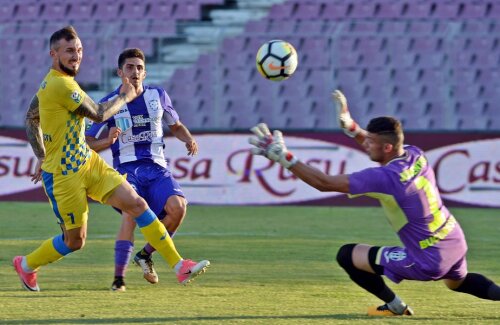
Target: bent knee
<point>344,256</point>
<point>75,244</point>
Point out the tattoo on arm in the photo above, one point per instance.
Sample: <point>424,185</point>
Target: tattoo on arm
<point>33,129</point>
<point>100,112</point>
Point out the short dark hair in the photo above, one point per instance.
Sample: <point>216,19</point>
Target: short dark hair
<point>130,53</point>
<point>389,128</point>
<point>67,33</point>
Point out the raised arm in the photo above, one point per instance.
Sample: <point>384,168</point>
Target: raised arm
<point>181,132</point>
<point>35,136</point>
<point>101,112</point>
<point>348,125</point>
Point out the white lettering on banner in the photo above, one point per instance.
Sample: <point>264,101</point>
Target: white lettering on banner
<point>469,172</point>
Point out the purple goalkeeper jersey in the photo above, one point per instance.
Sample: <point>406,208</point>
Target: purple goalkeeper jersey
<point>141,123</point>
<point>406,188</point>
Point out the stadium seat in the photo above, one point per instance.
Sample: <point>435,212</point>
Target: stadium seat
<point>472,10</point>
<point>28,11</point>
<point>307,11</point>
<point>388,9</point>
<point>334,11</point>
<point>82,10</point>
<point>446,10</point>
<point>55,11</point>
<point>281,11</point>
<point>361,9</point>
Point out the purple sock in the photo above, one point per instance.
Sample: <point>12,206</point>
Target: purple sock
<point>148,249</point>
<point>123,251</point>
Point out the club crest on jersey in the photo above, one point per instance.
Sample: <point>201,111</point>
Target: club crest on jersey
<point>154,104</point>
<point>76,97</point>
<point>394,256</point>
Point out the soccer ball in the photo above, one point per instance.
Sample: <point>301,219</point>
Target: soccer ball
<point>276,60</point>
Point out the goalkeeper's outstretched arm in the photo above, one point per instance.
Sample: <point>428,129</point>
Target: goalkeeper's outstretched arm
<point>320,180</point>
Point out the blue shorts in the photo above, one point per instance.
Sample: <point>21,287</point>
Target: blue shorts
<point>152,182</point>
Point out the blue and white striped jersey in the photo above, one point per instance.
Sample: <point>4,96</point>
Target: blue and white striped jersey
<point>141,123</point>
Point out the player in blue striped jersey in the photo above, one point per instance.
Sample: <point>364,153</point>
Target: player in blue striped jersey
<point>136,140</point>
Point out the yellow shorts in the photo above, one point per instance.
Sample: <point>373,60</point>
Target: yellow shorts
<point>68,193</point>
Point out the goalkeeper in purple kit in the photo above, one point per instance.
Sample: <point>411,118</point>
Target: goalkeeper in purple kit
<point>434,245</point>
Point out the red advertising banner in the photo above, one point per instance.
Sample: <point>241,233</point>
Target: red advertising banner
<point>224,172</point>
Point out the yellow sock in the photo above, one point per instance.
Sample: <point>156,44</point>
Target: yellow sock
<point>51,250</point>
<point>156,234</point>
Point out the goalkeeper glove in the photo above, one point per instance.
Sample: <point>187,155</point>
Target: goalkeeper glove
<point>271,146</point>
<point>348,125</point>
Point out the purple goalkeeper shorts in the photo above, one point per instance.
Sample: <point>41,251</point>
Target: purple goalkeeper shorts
<point>400,265</point>
<point>152,182</point>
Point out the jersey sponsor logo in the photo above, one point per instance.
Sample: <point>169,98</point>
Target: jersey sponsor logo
<point>141,137</point>
<point>43,84</point>
<point>76,96</point>
<point>47,138</point>
<point>140,120</point>
<point>154,104</point>
<point>394,256</point>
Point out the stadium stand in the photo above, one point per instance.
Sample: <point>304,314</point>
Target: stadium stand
<point>433,63</point>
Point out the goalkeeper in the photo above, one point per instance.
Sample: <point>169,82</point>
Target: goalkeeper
<point>434,245</point>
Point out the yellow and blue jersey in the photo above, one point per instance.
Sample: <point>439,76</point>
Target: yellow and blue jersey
<point>59,96</point>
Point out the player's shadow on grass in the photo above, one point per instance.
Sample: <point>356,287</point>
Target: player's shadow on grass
<point>127,320</point>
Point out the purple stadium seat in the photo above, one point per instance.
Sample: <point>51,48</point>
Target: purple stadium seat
<point>334,11</point>
<point>377,77</point>
<point>364,26</point>
<point>404,76</point>
<point>473,10</point>
<point>54,11</point>
<point>494,12</point>
<point>281,11</point>
<point>144,43</point>
<point>412,115</point>
<point>7,12</point>
<point>421,27</point>
<point>133,10</point>
<point>85,28</point>
<point>407,92</point>
<point>185,10</point>
<point>310,27</point>
<point>488,76</point>
<point>30,29</point>
<point>393,26</point>
<point>474,27</point>
<point>414,9</point>
<point>256,26</point>
<point>279,27</point>
<point>162,28</point>
<point>307,11</point>
<point>388,9</point>
<point>106,10</point>
<point>28,11</point>
<point>446,10</point>
<point>361,9</point>
<point>82,10</point>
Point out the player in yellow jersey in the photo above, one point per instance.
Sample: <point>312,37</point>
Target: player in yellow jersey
<point>71,171</point>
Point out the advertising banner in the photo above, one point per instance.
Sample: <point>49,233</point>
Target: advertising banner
<point>225,173</point>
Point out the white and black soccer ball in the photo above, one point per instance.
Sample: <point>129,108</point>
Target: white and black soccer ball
<point>276,60</point>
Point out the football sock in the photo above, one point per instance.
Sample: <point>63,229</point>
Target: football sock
<point>123,251</point>
<point>147,250</point>
<point>480,286</point>
<point>373,283</point>
<point>156,234</point>
<point>177,266</point>
<point>397,305</point>
<point>49,251</point>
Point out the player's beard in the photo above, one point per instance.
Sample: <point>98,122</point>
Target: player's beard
<point>68,71</point>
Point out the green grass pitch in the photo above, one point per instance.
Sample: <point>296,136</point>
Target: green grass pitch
<point>270,265</point>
